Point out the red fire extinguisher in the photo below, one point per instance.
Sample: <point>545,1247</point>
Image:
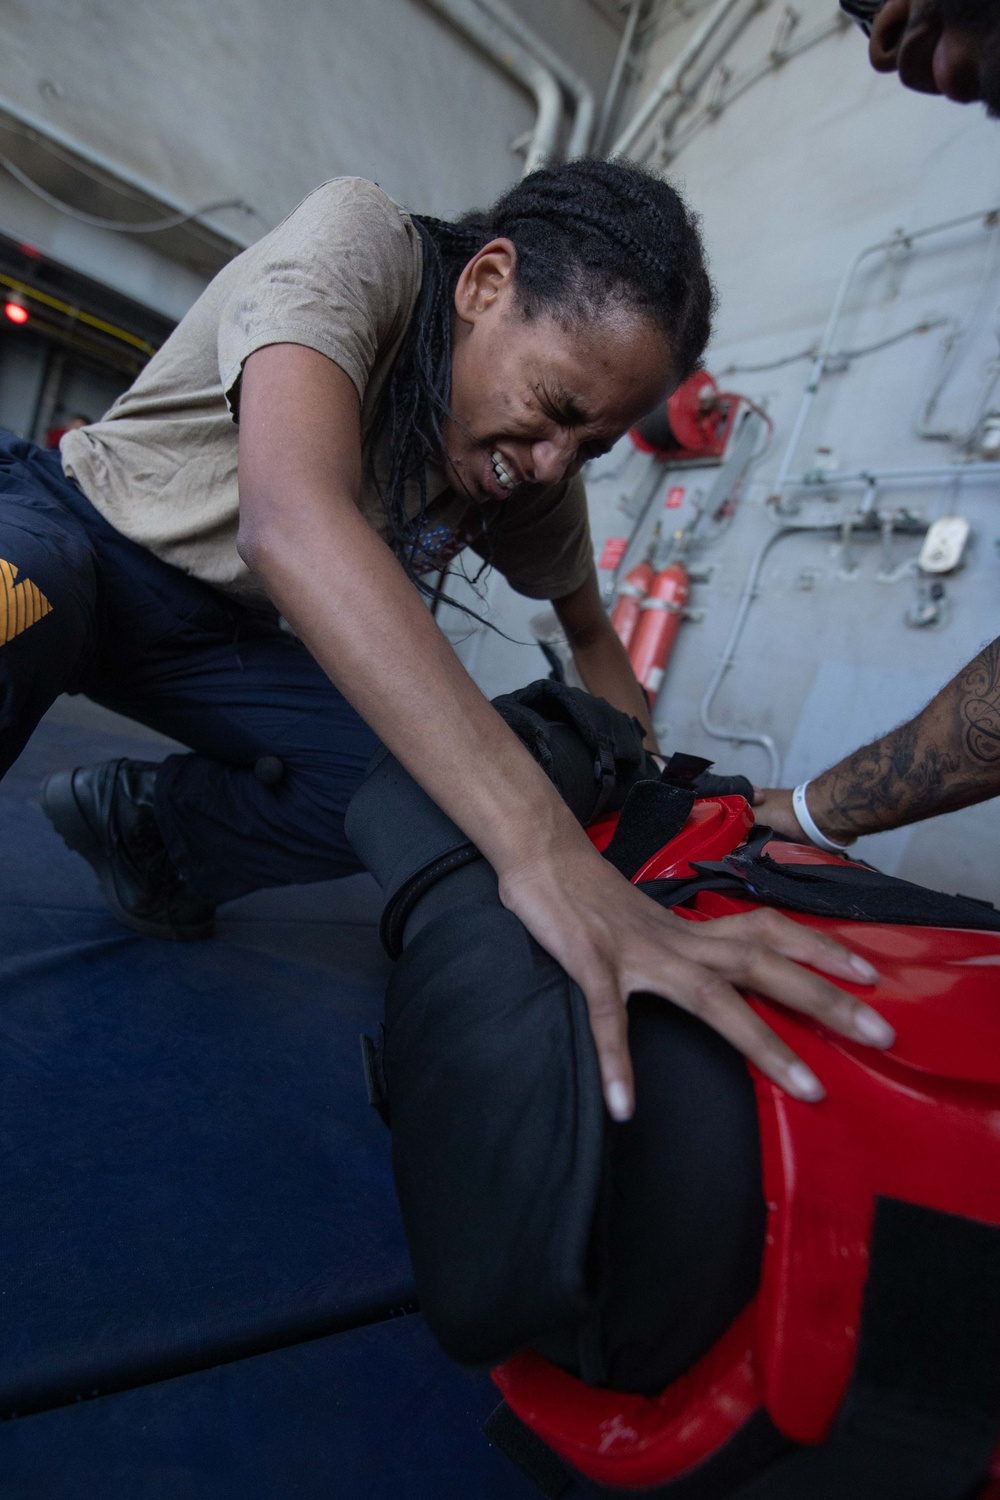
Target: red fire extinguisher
<point>659,618</point>
<point>625,615</point>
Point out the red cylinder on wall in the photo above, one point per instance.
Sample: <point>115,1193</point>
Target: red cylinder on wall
<point>625,615</point>
<point>659,618</point>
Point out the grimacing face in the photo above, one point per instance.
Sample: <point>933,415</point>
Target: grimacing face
<point>949,47</point>
<point>531,398</point>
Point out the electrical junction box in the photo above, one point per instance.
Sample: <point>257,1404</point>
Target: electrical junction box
<point>943,545</point>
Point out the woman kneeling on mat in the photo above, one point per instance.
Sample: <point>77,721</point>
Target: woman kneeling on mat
<point>354,399</point>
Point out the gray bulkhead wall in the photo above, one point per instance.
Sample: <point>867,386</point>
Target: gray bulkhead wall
<point>215,100</point>
<point>819,159</point>
<point>219,99</point>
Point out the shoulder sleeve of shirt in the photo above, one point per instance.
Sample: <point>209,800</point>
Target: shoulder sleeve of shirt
<point>339,275</point>
<point>542,545</point>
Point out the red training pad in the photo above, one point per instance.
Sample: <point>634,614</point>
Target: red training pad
<point>919,1123</point>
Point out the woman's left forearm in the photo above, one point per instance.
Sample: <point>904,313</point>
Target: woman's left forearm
<point>600,657</point>
<point>607,673</point>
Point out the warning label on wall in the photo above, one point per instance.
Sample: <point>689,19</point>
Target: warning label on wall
<point>613,551</point>
<point>674,497</point>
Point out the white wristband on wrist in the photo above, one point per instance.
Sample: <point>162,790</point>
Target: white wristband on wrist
<point>807,825</point>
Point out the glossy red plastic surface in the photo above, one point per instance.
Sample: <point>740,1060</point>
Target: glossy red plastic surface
<point>716,826</point>
<point>804,854</point>
<point>920,1122</point>
<point>599,833</point>
<point>637,1441</point>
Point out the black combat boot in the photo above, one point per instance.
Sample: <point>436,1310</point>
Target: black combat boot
<point>105,813</point>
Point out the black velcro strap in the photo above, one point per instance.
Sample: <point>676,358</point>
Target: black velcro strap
<point>671,893</point>
<point>604,774</point>
<point>922,1413</point>
<point>398,908</point>
<point>709,785</point>
<point>653,814</point>
<point>846,891</point>
<point>694,773</point>
<point>684,770</point>
<point>527,1452</point>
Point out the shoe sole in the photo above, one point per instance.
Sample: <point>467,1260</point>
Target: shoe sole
<point>60,806</point>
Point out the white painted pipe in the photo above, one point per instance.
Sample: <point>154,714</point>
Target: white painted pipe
<point>672,77</point>
<point>618,73</point>
<point>751,591</point>
<point>861,478</point>
<point>749,594</point>
<point>901,239</point>
<point>582,93</point>
<point>699,71</point>
<point>473,22</point>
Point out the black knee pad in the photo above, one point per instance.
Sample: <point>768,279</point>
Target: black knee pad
<point>498,1128</point>
<point>531,1218</point>
<point>487,1073</point>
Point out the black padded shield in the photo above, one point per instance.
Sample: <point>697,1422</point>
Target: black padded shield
<point>488,1072</point>
<point>497,1129</point>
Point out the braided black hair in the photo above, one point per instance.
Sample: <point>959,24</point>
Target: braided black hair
<point>587,234</point>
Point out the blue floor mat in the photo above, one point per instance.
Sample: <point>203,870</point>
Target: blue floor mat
<point>199,1217</point>
<point>374,1414</point>
<point>190,1169</point>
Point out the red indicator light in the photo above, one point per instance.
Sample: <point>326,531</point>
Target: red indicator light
<point>16,312</point>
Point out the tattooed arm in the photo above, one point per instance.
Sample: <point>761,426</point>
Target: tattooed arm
<point>947,757</point>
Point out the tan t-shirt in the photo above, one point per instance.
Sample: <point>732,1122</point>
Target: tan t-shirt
<point>340,275</point>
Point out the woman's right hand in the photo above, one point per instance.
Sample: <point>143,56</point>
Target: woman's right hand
<point>616,942</point>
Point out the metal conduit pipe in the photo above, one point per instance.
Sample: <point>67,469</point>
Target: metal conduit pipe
<point>487,34</point>
<point>785,480</point>
<point>826,343</point>
<point>670,80</point>
<point>860,478</point>
<point>700,70</point>
<point>750,737</point>
<point>585,108</point>
<point>750,592</point>
<point>618,73</point>
<point>731,90</point>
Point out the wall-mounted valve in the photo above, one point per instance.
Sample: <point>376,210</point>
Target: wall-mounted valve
<point>930,606</point>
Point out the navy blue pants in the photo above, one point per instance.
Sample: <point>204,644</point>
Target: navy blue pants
<point>85,610</point>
